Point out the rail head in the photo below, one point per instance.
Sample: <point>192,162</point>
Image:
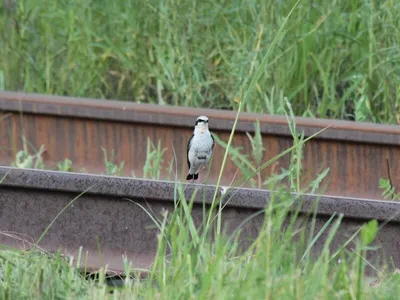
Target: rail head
<point>152,190</point>
<point>220,120</point>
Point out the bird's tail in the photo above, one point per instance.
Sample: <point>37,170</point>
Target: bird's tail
<point>192,176</point>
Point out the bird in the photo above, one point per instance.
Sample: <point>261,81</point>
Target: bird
<point>199,148</point>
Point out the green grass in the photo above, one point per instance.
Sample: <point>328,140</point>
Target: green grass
<point>188,265</point>
<point>335,59</point>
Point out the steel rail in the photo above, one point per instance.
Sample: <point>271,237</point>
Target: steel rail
<point>108,226</point>
<point>358,154</point>
<point>165,115</point>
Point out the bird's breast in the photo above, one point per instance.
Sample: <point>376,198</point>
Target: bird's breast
<point>202,142</point>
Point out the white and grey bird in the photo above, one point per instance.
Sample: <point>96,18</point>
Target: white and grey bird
<point>199,148</point>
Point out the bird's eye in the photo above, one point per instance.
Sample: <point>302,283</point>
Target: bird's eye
<point>201,121</point>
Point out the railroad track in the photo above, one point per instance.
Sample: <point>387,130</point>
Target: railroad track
<point>358,154</point>
<point>103,219</point>
<point>76,128</point>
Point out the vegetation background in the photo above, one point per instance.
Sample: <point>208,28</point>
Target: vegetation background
<point>335,59</point>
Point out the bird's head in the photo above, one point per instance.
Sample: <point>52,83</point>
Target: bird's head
<point>201,124</point>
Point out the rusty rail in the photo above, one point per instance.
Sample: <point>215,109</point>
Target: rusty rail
<point>76,128</point>
<point>30,200</point>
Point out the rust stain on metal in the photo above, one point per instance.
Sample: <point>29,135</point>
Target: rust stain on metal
<point>183,116</point>
<point>77,128</point>
<point>30,199</point>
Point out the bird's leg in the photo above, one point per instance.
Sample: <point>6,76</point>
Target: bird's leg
<point>193,179</point>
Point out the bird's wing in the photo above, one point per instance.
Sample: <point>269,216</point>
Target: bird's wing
<point>187,150</point>
<point>212,147</point>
